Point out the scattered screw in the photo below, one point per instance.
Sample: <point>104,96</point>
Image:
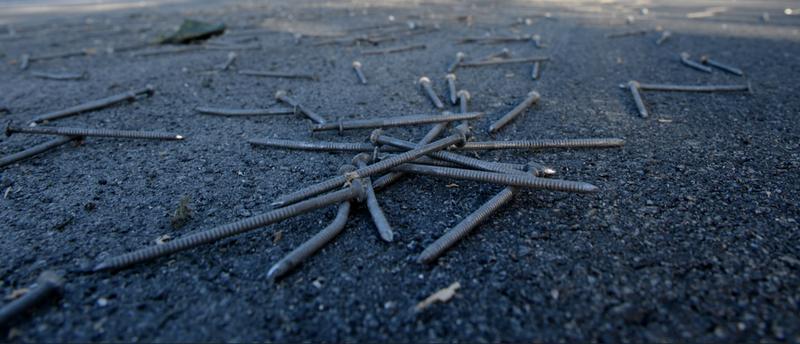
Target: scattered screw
<point>451,83</point>
<point>634,86</point>
<point>357,67</point>
<point>537,41</point>
<point>542,144</point>
<point>166,51</point>
<point>709,12</point>
<point>394,122</point>
<point>381,223</point>
<point>426,84</point>
<point>695,65</point>
<point>463,98</point>
<point>69,76</point>
<point>496,62</point>
<point>683,88</point>
<point>706,60</point>
<point>254,46</point>
<point>231,58</point>
<point>664,36</point>
<point>441,163</point>
<point>10,129</point>
<point>502,54</point>
<point>459,57</point>
<point>281,95</point>
<point>533,97</point>
<point>626,33</point>
<point>60,55</point>
<point>393,50</point>
<point>94,105</point>
<point>535,70</point>
<point>314,76</point>
<point>320,146</point>
<point>23,65</point>
<point>491,40</point>
<point>47,283</point>
<point>10,159</point>
<point>245,112</point>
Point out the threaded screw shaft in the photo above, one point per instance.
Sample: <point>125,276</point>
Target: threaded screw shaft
<point>537,41</point>
<point>357,67</point>
<point>322,146</point>
<point>393,50</point>
<point>637,98</point>
<point>535,70</point>
<point>507,61</point>
<point>47,283</point>
<point>426,85</point>
<point>705,60</point>
<point>394,122</point>
<point>684,88</point>
<point>244,112</point>
<point>281,95</point>
<point>231,58</point>
<point>533,97</point>
<point>378,217</point>
<point>94,105</point>
<point>66,76</point>
<point>314,76</point>
<point>451,84</point>
<point>459,57</point>
<point>7,160</point>
<point>541,144</point>
<point>685,59</point>
<point>127,134</point>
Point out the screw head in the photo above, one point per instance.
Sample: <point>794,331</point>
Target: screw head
<point>8,129</point>
<point>316,76</point>
<point>424,79</point>
<point>460,55</point>
<point>150,90</point>
<point>449,76</point>
<point>463,131</point>
<point>373,137</point>
<point>534,94</point>
<point>363,157</point>
<point>634,83</point>
<point>362,188</point>
<point>463,92</point>
<point>345,170</point>
<point>279,93</point>
<point>526,37</point>
<point>356,64</point>
<point>704,58</point>
<point>49,277</point>
<point>685,55</point>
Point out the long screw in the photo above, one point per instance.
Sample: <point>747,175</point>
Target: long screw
<point>664,36</point>
<point>94,105</point>
<point>535,70</point>
<point>685,59</point>
<point>497,62</point>
<point>314,76</point>
<point>231,58</point>
<point>706,60</point>
<point>684,88</point>
<point>357,67</point>
<point>533,97</point>
<point>253,46</point>
<point>281,95</point>
<point>441,163</point>
<point>463,40</point>
<point>393,50</point>
<point>10,159</point>
<point>459,57</point>
<point>637,98</point>
<point>47,283</point>
<point>381,223</point>
<point>461,135</point>
<point>67,76</point>
<point>127,134</point>
<point>23,65</point>
<point>451,84</point>
<point>537,41</point>
<point>244,112</point>
<point>541,144</point>
<point>317,241</point>
<point>356,190</point>
<point>626,33</point>
<point>502,54</point>
<point>395,121</point>
<point>463,98</point>
<point>166,51</point>
<point>517,179</point>
<point>321,146</point>
<point>426,84</point>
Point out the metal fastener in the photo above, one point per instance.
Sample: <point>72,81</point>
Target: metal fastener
<point>10,159</point>
<point>426,84</point>
<point>281,95</point>
<point>381,223</point>
<point>533,97</point>
<point>253,46</point>
<point>314,76</point>
<point>535,70</point>
<point>463,98</point>
<point>505,53</point>
<point>247,112</point>
<point>231,58</point>
<point>634,87</point>
<point>543,144</point>
<point>357,67</point>
<point>626,33</point>
<point>47,283</point>
<point>355,191</point>
<point>451,84</point>
<point>507,61</point>
<point>166,51</point>
<point>459,57</point>
<point>94,105</point>
<point>127,134</point>
<point>695,65</point>
<point>706,60</point>
<point>66,76</point>
<point>685,88</point>
<point>537,41</point>
<point>490,39</point>
<point>664,36</point>
<point>320,146</point>
<point>23,65</point>
<point>394,122</point>
<point>393,50</point>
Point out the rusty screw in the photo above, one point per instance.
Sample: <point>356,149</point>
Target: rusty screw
<point>533,97</point>
<point>426,84</point>
<point>10,159</point>
<point>127,134</point>
<point>685,59</point>
<point>541,144</point>
<point>94,105</point>
<point>281,95</point>
<point>357,67</point>
<point>47,283</point>
<point>451,83</point>
<point>381,223</point>
<point>459,57</point>
<point>394,122</point>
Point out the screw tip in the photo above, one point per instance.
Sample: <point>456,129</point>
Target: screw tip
<point>387,236</point>
<point>178,137</point>
<point>101,267</point>
<point>277,204</point>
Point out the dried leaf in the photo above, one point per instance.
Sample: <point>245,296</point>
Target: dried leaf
<point>665,121</point>
<point>454,185</point>
<point>510,75</point>
<point>442,295</point>
<point>17,293</point>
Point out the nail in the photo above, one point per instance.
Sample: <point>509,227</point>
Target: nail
<point>708,61</point>
<point>10,159</point>
<point>314,76</point>
<point>94,105</point>
<point>459,57</point>
<point>377,138</point>
<point>664,36</point>
<point>517,179</point>
<point>68,76</point>
<point>507,61</point>
<point>394,122</point>
<point>10,129</point>
<point>535,70</point>
<point>637,98</point>
<point>231,57</point>
<point>308,248</point>
<point>393,50</point>
<point>537,41</point>
<point>683,88</point>
<point>502,54</point>
<point>426,84</point>
<point>543,144</point>
<point>320,146</point>
<point>626,33</point>
<point>47,283</point>
<point>357,67</point>
<point>381,223</point>
<point>244,112</point>
<point>695,65</point>
<point>166,51</point>
<point>533,97</point>
<point>451,83</point>
<point>281,95</point>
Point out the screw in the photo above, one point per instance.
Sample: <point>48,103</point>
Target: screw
<point>537,41</point>
<point>314,76</point>
<point>317,241</point>
<point>496,62</point>
<point>463,98</point>
<point>357,67</point>
<point>695,65</point>
<point>394,121</point>
<point>683,88</point>
<point>381,223</point>
<point>356,190</point>
<point>502,54</point>
<point>68,76</point>
<point>535,70</point>
<point>58,55</point>
<point>491,40</point>
<point>533,97</point>
<point>94,105</point>
<point>231,57</point>
<point>765,16</point>
<point>708,61</point>
<point>516,179</point>
<point>10,159</point>
<point>541,144</point>
<point>10,129</point>
<point>253,46</point>
<point>23,65</point>
<point>426,84</point>
<point>451,83</point>
<point>459,57</point>
<point>281,95</point>
<point>377,137</point>
<point>626,33</point>
<point>47,283</point>
<point>166,51</point>
<point>634,86</point>
<point>393,50</point>
<point>441,163</point>
<point>246,112</point>
<point>320,146</point>
<point>664,36</point>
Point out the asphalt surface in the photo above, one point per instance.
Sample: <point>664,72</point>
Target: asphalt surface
<point>693,235</point>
